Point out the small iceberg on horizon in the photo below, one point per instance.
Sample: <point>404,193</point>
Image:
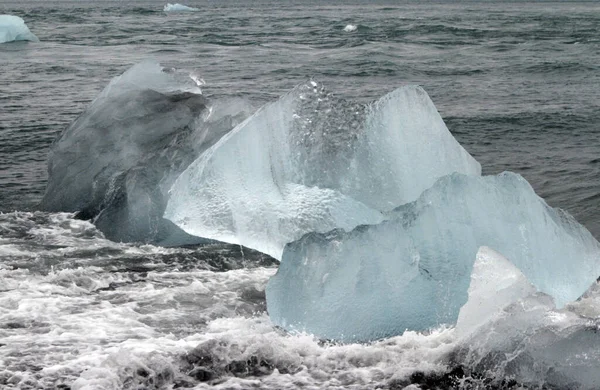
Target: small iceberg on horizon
<point>13,28</point>
<point>178,8</point>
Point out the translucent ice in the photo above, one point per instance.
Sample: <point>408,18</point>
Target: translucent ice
<point>13,28</point>
<point>178,8</point>
<point>495,284</point>
<point>413,270</point>
<point>116,162</point>
<point>313,162</point>
<point>509,330</point>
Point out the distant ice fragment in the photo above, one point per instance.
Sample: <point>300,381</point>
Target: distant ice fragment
<point>350,28</point>
<point>314,162</point>
<point>13,28</point>
<point>413,270</point>
<point>116,162</point>
<point>178,8</point>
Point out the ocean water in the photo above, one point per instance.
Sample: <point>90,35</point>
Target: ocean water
<point>517,84</point>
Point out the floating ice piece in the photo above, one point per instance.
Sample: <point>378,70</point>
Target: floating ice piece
<point>413,270</point>
<point>178,8</point>
<point>13,28</point>
<point>495,284</point>
<point>116,162</point>
<point>313,162</point>
<point>509,330</point>
<point>350,28</point>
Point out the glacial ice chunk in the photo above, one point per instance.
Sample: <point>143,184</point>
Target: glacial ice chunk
<point>413,270</point>
<point>314,162</point>
<point>508,329</point>
<point>178,8</point>
<point>13,28</point>
<point>115,163</point>
<point>495,284</point>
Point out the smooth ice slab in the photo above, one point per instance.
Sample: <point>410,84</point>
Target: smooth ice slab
<point>508,329</point>
<point>178,8</point>
<point>495,284</point>
<point>313,162</point>
<point>13,28</point>
<point>115,163</point>
<point>413,271</point>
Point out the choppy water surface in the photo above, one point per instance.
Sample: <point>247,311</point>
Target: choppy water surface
<point>516,83</point>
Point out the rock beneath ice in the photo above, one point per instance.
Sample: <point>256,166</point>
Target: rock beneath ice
<point>13,28</point>
<point>178,8</point>
<point>508,330</point>
<point>413,270</point>
<point>313,162</point>
<point>116,162</point>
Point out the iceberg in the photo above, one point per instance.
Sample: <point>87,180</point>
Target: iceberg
<point>413,270</point>
<point>313,162</point>
<point>508,329</point>
<point>115,163</point>
<point>13,28</point>
<point>178,8</point>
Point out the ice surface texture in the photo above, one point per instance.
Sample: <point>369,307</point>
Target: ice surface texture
<point>413,270</point>
<point>178,8</point>
<point>116,162</point>
<point>510,330</point>
<point>313,162</point>
<point>495,284</point>
<point>13,28</point>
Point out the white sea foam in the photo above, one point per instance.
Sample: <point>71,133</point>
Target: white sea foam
<point>78,310</point>
<point>104,318</point>
<point>350,28</point>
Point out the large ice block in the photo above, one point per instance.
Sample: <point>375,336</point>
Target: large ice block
<point>413,270</point>
<point>115,163</point>
<point>13,28</point>
<point>313,162</point>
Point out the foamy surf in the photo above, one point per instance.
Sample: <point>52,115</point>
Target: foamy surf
<point>81,311</point>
